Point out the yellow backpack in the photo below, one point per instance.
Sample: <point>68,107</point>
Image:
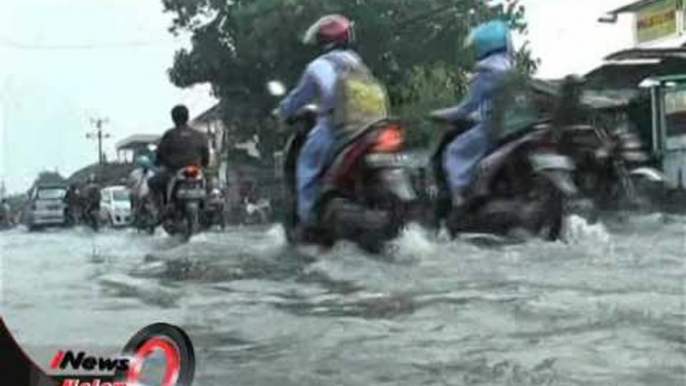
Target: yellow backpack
<point>361,99</point>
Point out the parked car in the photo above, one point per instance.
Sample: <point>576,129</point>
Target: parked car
<point>45,207</point>
<point>115,206</point>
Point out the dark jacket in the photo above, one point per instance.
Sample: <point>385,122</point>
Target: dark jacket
<point>182,146</point>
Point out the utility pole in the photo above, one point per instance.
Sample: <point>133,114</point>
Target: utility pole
<point>99,135</point>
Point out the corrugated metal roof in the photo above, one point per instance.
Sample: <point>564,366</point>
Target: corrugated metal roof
<point>633,7</point>
<point>648,53</point>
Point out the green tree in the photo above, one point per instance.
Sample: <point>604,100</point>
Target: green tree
<point>415,47</point>
<point>48,177</point>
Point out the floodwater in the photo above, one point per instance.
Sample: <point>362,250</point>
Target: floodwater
<point>607,307</point>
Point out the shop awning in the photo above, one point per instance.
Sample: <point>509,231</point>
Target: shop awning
<point>633,7</point>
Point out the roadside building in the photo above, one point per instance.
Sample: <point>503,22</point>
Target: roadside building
<point>653,72</point>
<point>211,124</point>
<point>129,148</point>
<point>238,165</point>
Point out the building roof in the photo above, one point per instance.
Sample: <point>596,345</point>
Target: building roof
<point>633,7</point>
<point>648,53</point>
<point>136,141</point>
<point>627,68</point>
<point>211,114</point>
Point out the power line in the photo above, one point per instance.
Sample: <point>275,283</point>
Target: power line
<point>9,43</point>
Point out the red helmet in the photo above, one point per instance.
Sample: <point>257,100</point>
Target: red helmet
<point>329,31</point>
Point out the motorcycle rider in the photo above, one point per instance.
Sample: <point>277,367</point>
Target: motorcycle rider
<point>72,201</point>
<point>492,45</point>
<point>138,181</point>
<point>179,147</point>
<point>92,197</point>
<point>334,36</point>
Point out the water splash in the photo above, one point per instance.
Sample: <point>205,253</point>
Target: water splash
<point>578,230</point>
<point>415,243</point>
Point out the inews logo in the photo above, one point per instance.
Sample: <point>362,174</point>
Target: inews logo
<point>127,369</point>
<point>80,361</point>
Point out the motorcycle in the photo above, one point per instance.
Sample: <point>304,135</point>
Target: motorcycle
<point>366,191</point>
<point>145,215</point>
<point>523,183</point>
<point>613,169</point>
<point>185,196</point>
<point>214,212</point>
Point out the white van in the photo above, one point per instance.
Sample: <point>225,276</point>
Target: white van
<point>115,206</point>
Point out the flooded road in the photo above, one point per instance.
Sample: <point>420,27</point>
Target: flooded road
<point>607,308</point>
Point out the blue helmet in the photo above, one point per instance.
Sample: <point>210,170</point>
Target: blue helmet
<point>144,161</point>
<point>490,37</point>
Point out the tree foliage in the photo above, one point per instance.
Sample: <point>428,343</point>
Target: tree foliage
<point>48,177</point>
<point>414,46</point>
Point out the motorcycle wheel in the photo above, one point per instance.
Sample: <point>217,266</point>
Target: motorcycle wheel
<point>191,222</point>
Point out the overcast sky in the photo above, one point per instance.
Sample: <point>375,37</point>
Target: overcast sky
<point>64,61</point>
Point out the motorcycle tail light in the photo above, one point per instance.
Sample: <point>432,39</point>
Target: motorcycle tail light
<point>191,172</point>
<point>390,139</point>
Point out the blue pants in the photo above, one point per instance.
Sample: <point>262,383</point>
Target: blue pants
<point>463,156</point>
<point>310,162</point>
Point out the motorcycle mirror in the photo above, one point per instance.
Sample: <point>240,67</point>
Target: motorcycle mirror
<point>276,88</point>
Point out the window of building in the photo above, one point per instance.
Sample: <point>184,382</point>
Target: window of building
<point>675,111</point>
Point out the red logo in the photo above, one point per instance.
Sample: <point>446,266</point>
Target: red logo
<point>170,341</point>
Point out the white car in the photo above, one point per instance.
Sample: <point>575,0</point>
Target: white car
<point>115,206</point>
<point>45,207</point>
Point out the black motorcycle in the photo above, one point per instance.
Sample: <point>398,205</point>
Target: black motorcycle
<point>521,184</point>
<point>366,189</point>
<point>613,169</point>
<point>214,212</point>
<point>185,197</point>
<point>145,215</point>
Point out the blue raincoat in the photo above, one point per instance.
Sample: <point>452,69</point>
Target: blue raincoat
<point>317,85</point>
<point>468,149</point>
